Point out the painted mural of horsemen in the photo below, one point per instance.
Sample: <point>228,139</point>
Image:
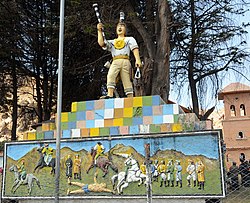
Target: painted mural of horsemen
<point>101,162</point>
<point>46,159</point>
<point>131,174</point>
<point>19,180</point>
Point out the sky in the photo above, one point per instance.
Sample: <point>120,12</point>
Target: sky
<point>231,78</point>
<point>189,145</point>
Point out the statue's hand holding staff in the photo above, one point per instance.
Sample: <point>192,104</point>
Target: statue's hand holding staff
<point>95,6</point>
<point>100,27</point>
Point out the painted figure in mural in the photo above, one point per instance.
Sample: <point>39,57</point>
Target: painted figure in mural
<point>77,167</point>
<point>29,178</point>
<point>155,171</point>
<point>233,178</point>
<point>41,162</point>
<point>87,188</point>
<point>191,171</point>
<point>201,175</point>
<point>162,173</point>
<point>120,49</point>
<point>133,174</point>
<point>69,165</point>
<point>21,169</point>
<point>170,173</point>
<point>99,148</point>
<point>178,169</point>
<point>102,162</point>
<point>244,171</point>
<point>143,168</point>
<point>47,152</point>
<point>128,164</point>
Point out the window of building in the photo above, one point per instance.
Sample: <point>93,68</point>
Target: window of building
<point>232,110</point>
<point>242,110</point>
<point>240,135</point>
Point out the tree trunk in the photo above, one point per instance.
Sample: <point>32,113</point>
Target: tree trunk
<point>155,73</point>
<point>14,103</point>
<point>39,98</point>
<point>160,80</point>
<point>191,79</point>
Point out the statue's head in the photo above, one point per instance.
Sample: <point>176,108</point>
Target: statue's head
<point>121,28</point>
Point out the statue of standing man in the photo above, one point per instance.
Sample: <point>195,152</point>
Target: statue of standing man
<point>120,49</point>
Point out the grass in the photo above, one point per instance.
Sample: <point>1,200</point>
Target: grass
<point>212,185</point>
<point>239,196</point>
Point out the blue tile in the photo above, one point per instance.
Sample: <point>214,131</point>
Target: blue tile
<point>90,105</point>
<point>71,125</point>
<point>137,121</point>
<point>167,109</point>
<point>66,133</point>
<point>114,130</point>
<point>156,100</point>
<point>90,123</point>
<point>49,135</point>
<point>134,129</point>
<point>99,114</point>
<point>109,103</point>
<point>157,119</point>
<point>81,115</point>
<point>147,111</point>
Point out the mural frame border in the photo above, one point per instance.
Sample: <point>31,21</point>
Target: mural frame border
<point>118,137</point>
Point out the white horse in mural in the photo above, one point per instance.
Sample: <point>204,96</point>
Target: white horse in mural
<point>27,181</point>
<point>134,174</point>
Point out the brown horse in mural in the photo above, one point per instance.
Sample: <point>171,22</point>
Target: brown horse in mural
<point>102,162</point>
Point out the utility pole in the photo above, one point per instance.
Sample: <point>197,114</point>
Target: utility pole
<point>148,173</point>
<point>59,101</point>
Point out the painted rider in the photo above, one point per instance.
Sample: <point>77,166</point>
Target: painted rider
<point>162,172</point>
<point>99,148</point>
<point>155,171</point>
<point>128,165</point>
<point>201,175</point>
<point>69,166</point>
<point>191,171</point>
<point>47,153</point>
<point>22,170</point>
<point>120,49</point>
<point>178,168</point>
<point>170,173</point>
<point>143,168</point>
<point>77,167</point>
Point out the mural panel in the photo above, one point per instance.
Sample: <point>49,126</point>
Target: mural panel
<point>181,165</point>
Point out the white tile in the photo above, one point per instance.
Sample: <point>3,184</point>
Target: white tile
<point>119,103</point>
<point>168,118</point>
<point>108,113</point>
<point>75,133</point>
<point>99,123</point>
<point>144,128</point>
